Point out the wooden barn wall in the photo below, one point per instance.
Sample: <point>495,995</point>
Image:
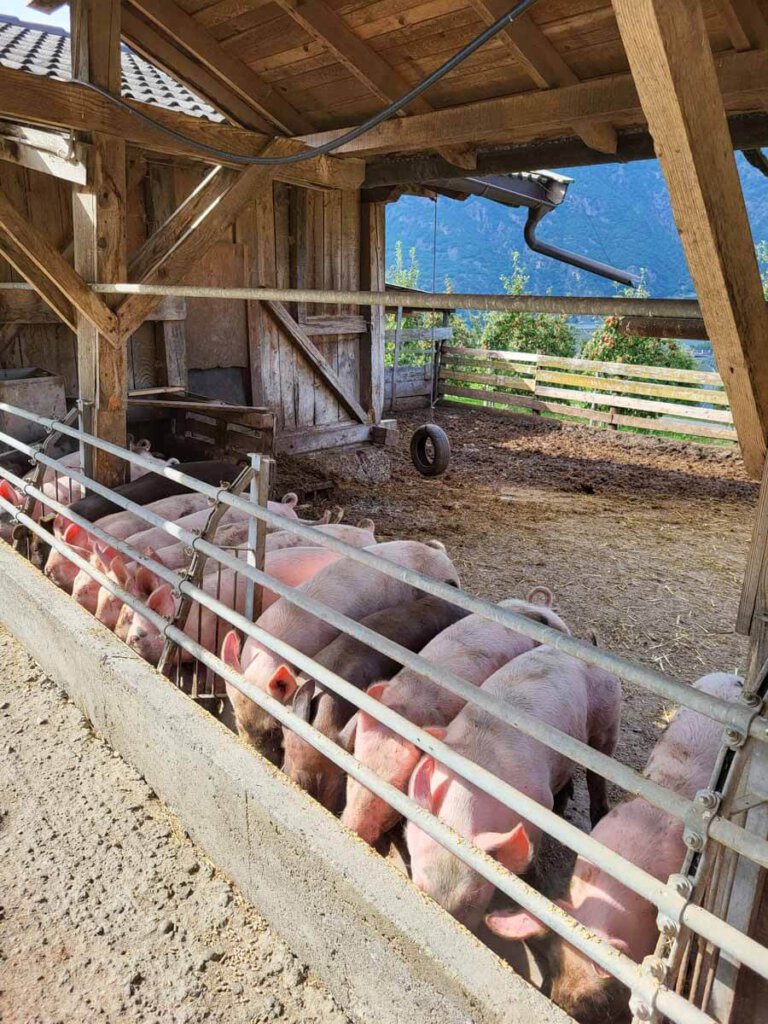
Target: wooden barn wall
<point>289,236</point>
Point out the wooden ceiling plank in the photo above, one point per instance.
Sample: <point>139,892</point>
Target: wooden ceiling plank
<point>48,272</point>
<point>326,26</point>
<point>668,50</point>
<point>37,100</point>
<point>745,23</point>
<point>537,115</point>
<point>200,44</point>
<point>546,67</point>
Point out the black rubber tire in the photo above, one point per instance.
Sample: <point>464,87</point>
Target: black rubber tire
<point>438,464</point>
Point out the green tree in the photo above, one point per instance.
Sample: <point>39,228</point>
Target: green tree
<point>609,344</point>
<point>761,251</point>
<point>547,333</point>
<point>404,276</point>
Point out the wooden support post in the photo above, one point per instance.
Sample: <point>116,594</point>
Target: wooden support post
<point>674,72</point>
<point>99,233</point>
<point>170,337</point>
<point>372,278</point>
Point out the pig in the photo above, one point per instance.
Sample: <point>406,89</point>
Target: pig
<point>60,569</point>
<point>472,649</point>
<point>683,761</point>
<point>411,624</point>
<point>151,488</point>
<point>578,699</point>
<point>137,580</point>
<point>292,567</point>
<point>347,587</point>
<point>122,525</point>
<point>361,536</point>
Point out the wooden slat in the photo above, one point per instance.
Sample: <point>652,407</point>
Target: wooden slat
<point>316,439</point>
<point>662,424</point>
<point>47,270</point>
<point>534,115</point>
<point>663,373</point>
<point>668,51</point>
<point>237,76</point>
<point>631,387</point>
<point>341,323</point>
<point>39,100</point>
<point>315,358</point>
<point>545,65</point>
<point>620,402</point>
<point>425,334</point>
<point>487,365</point>
<point>519,383</point>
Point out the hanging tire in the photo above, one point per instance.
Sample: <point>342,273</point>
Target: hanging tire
<point>430,437</point>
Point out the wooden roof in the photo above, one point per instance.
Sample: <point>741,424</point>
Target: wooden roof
<point>311,67</point>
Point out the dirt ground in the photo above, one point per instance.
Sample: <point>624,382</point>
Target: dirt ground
<point>109,913</point>
<point>642,540</point>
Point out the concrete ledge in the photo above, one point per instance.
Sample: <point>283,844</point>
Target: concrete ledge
<point>388,955</point>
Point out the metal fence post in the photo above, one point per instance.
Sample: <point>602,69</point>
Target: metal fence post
<point>261,479</point>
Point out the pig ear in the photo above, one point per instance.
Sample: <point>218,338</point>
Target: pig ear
<point>513,850</point>
<point>346,737</point>
<point>230,651</point>
<point>516,925</point>
<point>282,685</point>
<point>438,731</point>
<point>106,552</point>
<point>119,570</point>
<point>421,783</point>
<point>376,690</point>
<point>146,580</point>
<point>9,493</point>
<point>76,536</point>
<point>367,524</point>
<point>161,601</point>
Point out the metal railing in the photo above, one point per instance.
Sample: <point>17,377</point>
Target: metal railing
<point>741,721</point>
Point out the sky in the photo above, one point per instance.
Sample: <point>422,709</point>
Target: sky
<point>19,9</point>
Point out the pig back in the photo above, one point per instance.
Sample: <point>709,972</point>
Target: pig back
<point>152,487</point>
<point>411,624</point>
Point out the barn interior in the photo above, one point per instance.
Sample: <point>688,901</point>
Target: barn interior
<point>178,264</point>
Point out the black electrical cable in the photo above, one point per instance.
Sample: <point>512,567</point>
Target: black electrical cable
<point>354,133</point>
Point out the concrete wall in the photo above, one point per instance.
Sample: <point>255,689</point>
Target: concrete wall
<point>387,953</point>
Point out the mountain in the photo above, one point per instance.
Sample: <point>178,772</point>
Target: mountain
<point>618,213</point>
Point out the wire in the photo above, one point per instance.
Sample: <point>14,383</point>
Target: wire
<point>354,133</point>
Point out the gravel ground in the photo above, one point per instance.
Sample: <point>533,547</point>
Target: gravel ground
<point>109,913</point>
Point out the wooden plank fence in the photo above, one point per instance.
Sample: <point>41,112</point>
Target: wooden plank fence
<point>410,364</point>
<point>691,402</point>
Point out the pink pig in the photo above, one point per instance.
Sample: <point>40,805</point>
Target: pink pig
<point>361,536</point>
<point>292,567</point>
<point>473,649</point>
<point>347,587</point>
<point>137,580</point>
<point>579,700</point>
<point>683,761</point>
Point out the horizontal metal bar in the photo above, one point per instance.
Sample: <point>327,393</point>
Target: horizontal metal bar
<point>666,899</point>
<point>573,305</point>
<point>732,715</point>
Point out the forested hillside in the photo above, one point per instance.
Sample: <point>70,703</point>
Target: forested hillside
<point>618,212</point>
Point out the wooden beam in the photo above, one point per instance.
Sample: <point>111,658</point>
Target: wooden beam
<point>196,240</point>
<point>668,50</point>
<point>531,48</point>
<point>551,113</point>
<point>170,336</point>
<point>372,278</point>
<point>46,152</point>
<point>748,131</point>
<point>48,272</point>
<point>98,217</point>
<point>162,51</point>
<point>185,33</point>
<point>45,101</point>
<point>745,23</point>
<point>321,21</point>
<point>315,358</point>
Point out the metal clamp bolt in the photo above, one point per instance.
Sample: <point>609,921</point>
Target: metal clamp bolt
<point>735,738</point>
